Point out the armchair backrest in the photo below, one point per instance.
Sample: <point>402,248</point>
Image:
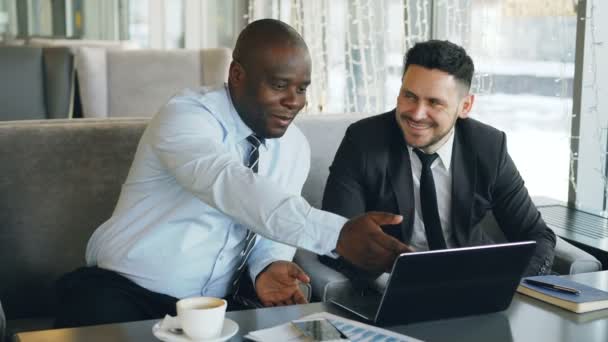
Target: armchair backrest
<point>324,134</point>
<point>138,82</point>
<point>59,180</point>
<point>36,83</point>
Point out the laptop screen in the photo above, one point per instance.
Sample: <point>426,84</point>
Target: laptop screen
<point>453,282</point>
<point>446,283</point>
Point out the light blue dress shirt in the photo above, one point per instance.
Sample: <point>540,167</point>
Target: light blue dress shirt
<point>183,213</point>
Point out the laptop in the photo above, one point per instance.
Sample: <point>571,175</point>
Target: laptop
<point>445,283</point>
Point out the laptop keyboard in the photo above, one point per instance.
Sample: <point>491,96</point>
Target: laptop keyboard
<point>575,221</point>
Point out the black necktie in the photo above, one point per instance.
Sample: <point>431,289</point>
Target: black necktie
<point>428,201</point>
<point>252,163</point>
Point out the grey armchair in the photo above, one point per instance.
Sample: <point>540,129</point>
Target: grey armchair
<point>36,83</point>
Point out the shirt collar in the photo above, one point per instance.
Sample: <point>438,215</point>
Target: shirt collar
<point>241,130</point>
<point>444,152</point>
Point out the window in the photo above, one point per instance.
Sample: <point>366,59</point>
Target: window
<point>523,52</point>
<point>4,17</point>
<point>524,58</point>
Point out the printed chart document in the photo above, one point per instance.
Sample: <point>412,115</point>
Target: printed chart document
<point>353,330</point>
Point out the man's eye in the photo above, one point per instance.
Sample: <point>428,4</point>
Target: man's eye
<point>279,86</point>
<point>302,90</point>
<point>409,96</point>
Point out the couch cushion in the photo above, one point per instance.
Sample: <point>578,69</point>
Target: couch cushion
<point>22,83</point>
<point>214,66</point>
<point>75,44</point>
<point>91,71</point>
<point>59,82</point>
<point>324,134</point>
<point>141,81</point>
<point>60,181</point>
<point>36,83</point>
<point>116,82</point>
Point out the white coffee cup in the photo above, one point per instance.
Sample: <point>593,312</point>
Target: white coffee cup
<point>202,317</point>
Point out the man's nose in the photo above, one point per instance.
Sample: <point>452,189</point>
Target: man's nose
<point>418,112</point>
<point>292,99</point>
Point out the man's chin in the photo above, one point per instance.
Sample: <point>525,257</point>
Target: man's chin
<point>418,143</point>
<point>275,132</point>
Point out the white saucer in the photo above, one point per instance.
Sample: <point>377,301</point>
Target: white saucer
<point>228,330</point>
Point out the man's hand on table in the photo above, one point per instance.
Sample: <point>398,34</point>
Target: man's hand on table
<point>278,284</point>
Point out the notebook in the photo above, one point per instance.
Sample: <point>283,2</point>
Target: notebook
<point>589,298</point>
<point>445,283</point>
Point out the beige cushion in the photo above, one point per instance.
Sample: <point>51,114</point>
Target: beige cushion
<point>90,66</point>
<point>77,43</point>
<point>12,42</point>
<point>138,82</point>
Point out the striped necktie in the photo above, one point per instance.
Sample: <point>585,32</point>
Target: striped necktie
<point>252,163</point>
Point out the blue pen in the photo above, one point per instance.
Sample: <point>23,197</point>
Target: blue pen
<point>553,286</point>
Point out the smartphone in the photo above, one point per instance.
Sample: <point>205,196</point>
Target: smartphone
<point>320,330</point>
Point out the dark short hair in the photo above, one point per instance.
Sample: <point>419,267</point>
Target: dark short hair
<point>261,34</point>
<point>442,55</point>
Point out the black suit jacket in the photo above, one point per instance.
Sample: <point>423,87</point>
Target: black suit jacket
<point>371,172</point>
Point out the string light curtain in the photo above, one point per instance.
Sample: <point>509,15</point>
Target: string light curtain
<point>523,52</point>
<point>356,46</point>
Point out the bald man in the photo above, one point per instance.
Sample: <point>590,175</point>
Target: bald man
<point>212,199</point>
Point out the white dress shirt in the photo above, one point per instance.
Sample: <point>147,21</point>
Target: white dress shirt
<point>183,213</point>
<point>443,187</point>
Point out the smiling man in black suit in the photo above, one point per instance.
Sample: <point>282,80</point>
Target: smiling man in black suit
<point>429,162</point>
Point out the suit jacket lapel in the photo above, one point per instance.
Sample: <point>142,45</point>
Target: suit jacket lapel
<point>400,172</point>
<point>463,187</point>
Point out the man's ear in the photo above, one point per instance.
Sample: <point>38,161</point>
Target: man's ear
<point>236,73</point>
<point>466,105</point>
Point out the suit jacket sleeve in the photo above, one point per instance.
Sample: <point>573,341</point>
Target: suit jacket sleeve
<point>344,191</point>
<point>345,195</point>
<point>517,215</point>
